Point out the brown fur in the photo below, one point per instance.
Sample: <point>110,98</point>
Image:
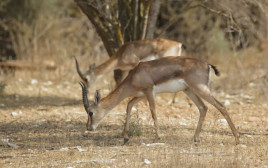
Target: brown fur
<point>144,77</point>
<point>129,55</point>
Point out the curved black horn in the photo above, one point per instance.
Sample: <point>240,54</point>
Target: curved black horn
<point>78,69</point>
<point>84,96</point>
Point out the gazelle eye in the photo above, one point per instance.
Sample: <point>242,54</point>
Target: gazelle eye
<point>90,113</point>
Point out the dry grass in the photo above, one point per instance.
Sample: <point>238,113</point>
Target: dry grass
<point>44,121</point>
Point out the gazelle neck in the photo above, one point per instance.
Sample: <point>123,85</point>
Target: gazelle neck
<point>114,98</point>
<point>106,67</point>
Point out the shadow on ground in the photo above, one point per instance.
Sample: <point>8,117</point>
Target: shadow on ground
<point>54,135</point>
<point>18,101</point>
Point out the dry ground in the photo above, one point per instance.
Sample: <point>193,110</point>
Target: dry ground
<point>42,124</point>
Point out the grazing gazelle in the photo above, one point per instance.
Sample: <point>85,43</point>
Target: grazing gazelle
<point>164,75</point>
<point>129,55</point>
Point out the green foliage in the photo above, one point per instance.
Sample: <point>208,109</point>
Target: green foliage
<point>134,125</point>
<point>217,43</point>
<point>36,29</point>
<point>134,129</point>
<point>240,23</point>
<point>20,10</point>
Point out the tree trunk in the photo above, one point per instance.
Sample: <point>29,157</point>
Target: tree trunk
<point>117,23</point>
<point>153,15</point>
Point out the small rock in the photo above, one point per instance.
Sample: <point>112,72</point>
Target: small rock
<point>246,96</point>
<point>6,140</point>
<point>227,102</point>
<point>48,83</point>
<point>253,119</point>
<point>182,123</point>
<point>251,84</point>
<point>146,161</point>
<point>242,145</point>
<point>14,113</point>
<point>64,149</point>
<point>144,118</point>
<point>45,89</point>
<point>156,144</point>
<point>12,145</point>
<point>222,120</point>
<point>247,135</point>
<point>102,160</point>
<point>79,148</point>
<point>170,102</point>
<point>34,81</point>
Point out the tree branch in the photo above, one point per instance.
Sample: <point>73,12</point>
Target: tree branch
<point>147,5</point>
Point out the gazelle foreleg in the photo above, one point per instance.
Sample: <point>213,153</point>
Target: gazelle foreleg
<point>88,122</point>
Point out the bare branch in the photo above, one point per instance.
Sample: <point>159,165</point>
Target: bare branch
<point>147,5</point>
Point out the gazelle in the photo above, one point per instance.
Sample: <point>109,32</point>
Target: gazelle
<point>129,55</point>
<point>164,75</point>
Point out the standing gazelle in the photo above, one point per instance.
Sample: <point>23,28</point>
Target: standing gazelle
<point>167,74</point>
<point>128,56</point>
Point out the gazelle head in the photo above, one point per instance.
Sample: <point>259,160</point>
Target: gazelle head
<point>89,77</point>
<point>94,111</point>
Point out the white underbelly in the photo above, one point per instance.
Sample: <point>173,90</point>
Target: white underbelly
<point>171,86</point>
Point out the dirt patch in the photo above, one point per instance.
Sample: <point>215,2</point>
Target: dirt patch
<point>43,121</point>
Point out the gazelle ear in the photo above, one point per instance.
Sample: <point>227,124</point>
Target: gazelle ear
<point>92,67</point>
<point>97,97</point>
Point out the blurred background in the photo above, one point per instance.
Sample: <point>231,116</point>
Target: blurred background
<point>42,118</point>
<point>40,38</point>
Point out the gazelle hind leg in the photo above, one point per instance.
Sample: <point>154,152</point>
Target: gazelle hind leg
<point>151,99</point>
<point>202,110</point>
<point>204,93</point>
<point>131,103</point>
